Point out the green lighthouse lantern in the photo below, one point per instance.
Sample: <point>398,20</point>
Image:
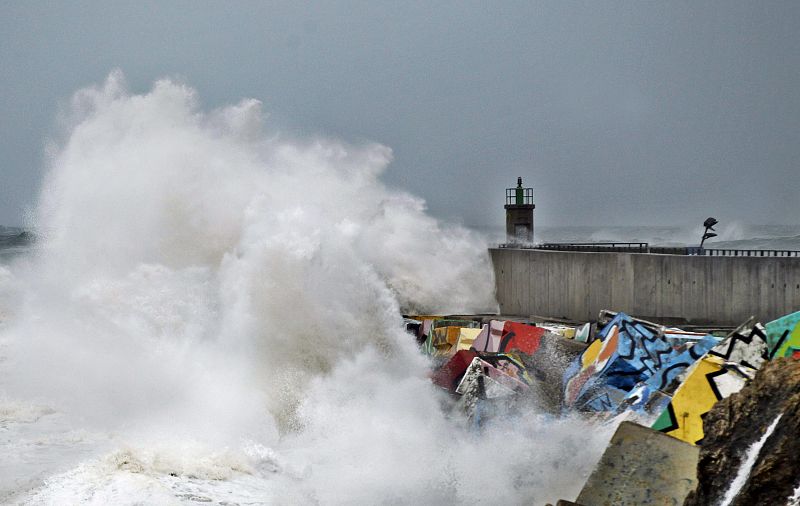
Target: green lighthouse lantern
<point>519,214</point>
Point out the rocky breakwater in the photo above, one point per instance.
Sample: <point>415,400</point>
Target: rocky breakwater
<point>729,400</point>
<point>751,444</point>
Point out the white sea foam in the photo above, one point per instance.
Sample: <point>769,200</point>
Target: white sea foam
<point>794,500</point>
<point>223,304</point>
<point>751,456</point>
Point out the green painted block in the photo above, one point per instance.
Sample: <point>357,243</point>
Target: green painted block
<point>783,336</point>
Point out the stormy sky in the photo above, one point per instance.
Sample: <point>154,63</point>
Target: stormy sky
<point>623,113</point>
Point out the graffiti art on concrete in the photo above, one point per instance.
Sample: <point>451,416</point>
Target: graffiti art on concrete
<point>490,341</point>
<point>491,381</point>
<point>444,335</point>
<point>505,336</point>
<point>509,364</point>
<point>783,336</point>
<point>666,378</point>
<point>521,337</point>
<point>606,398</point>
<point>582,334</point>
<point>466,338</point>
<point>558,329</point>
<point>708,381</point>
<point>721,372</point>
<point>632,354</point>
<point>747,347</point>
<point>593,361</point>
<point>449,375</point>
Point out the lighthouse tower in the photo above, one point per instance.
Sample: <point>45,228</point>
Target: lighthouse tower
<point>519,214</point>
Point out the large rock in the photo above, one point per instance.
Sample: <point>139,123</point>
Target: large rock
<point>749,453</point>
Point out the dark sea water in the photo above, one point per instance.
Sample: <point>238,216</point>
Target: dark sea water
<point>14,241</point>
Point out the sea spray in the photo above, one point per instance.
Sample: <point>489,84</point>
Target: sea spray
<point>202,287</point>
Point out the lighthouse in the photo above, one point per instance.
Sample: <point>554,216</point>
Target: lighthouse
<point>519,214</point>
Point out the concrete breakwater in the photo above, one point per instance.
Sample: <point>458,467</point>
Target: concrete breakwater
<point>693,289</point>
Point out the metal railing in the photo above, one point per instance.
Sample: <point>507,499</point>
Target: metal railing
<point>748,252</point>
<point>643,247</point>
<point>627,247</point>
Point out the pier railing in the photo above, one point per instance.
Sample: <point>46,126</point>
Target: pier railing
<point>627,247</point>
<point>643,247</point>
<point>747,252</point>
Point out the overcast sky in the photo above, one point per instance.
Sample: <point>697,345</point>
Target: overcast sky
<point>622,113</point>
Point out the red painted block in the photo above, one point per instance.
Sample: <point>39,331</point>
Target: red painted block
<point>451,372</point>
<point>522,337</point>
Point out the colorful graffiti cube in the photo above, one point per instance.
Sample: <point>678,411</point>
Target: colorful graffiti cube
<point>720,373</point>
<point>449,375</point>
<point>507,336</point>
<point>625,354</point>
<point>491,381</point>
<point>708,381</point>
<point>444,336</point>
<point>783,336</point>
<point>489,341</point>
<point>639,398</point>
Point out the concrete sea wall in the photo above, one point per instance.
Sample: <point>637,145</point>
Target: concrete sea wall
<point>700,289</point>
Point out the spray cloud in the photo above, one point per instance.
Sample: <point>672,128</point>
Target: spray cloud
<point>200,281</point>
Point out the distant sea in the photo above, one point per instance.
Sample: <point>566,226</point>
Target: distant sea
<point>15,241</point>
<point>729,236</point>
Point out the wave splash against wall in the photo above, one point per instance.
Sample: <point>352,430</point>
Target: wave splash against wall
<point>217,308</point>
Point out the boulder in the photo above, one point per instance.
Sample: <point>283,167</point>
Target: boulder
<point>749,453</point>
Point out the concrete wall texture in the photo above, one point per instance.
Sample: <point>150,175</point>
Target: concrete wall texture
<point>575,285</point>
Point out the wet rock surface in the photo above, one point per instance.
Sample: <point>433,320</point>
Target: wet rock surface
<point>735,429</point>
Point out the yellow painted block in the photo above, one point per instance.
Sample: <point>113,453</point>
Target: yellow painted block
<point>590,354</point>
<point>466,337</point>
<point>446,339</point>
<point>692,399</point>
<point>706,383</point>
<point>452,335</point>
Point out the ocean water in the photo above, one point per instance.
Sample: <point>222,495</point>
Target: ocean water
<point>730,235</point>
<point>186,322</point>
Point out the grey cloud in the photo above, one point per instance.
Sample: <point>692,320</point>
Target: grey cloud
<point>616,112</point>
